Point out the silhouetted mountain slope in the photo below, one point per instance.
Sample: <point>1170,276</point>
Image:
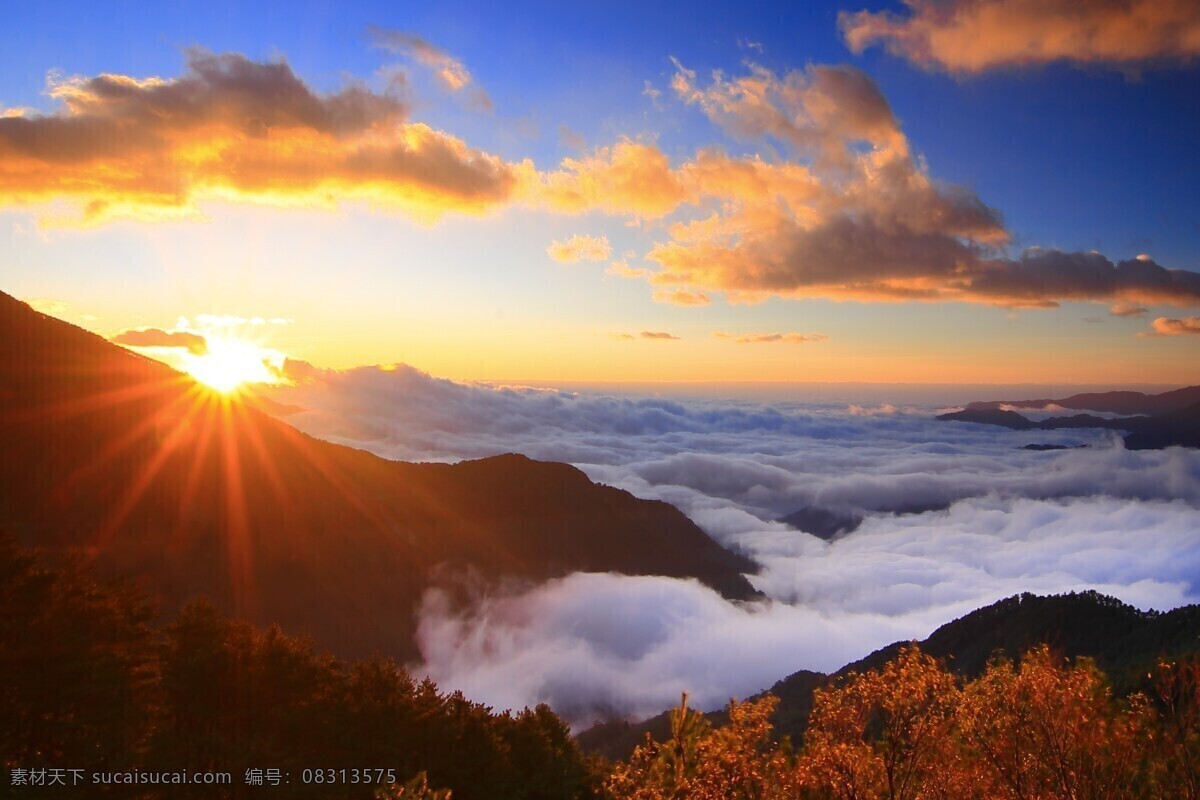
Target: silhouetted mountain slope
<point>1180,427</point>
<point>1120,402</point>
<point>824,523</point>
<point>118,457</point>
<point>989,416</point>
<point>1124,642</point>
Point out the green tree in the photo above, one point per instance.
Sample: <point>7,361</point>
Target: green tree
<point>77,667</point>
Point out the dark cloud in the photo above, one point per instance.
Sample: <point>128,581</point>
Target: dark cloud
<point>845,257</point>
<point>156,337</point>
<point>1043,277</point>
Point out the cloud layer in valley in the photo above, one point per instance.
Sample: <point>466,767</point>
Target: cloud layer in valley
<point>954,515</point>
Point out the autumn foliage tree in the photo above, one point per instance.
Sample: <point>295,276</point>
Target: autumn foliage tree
<point>1175,766</point>
<point>1040,729</point>
<point>882,734</point>
<point>737,761</point>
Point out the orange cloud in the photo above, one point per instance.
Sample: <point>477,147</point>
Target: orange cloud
<point>772,338</point>
<point>621,269</point>
<point>237,129</point>
<point>821,110</point>
<point>660,335</point>
<point>580,248</point>
<point>970,36</point>
<point>1167,326</point>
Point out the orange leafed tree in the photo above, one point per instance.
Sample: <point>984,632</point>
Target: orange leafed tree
<point>735,762</point>
<point>882,734</point>
<point>1040,729</point>
<point>1047,729</point>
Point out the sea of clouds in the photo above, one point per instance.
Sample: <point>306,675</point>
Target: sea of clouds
<point>991,520</point>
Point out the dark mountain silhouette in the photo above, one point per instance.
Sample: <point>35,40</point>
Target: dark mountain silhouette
<point>1120,402</point>
<point>1164,420</point>
<point>824,523</point>
<point>1125,643</point>
<point>829,523</point>
<point>145,473</point>
<point>1015,421</point>
<point>990,416</point>
<point>1180,427</point>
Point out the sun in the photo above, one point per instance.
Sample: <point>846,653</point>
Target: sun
<point>229,364</point>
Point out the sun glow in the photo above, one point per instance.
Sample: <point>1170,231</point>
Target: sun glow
<point>229,364</point>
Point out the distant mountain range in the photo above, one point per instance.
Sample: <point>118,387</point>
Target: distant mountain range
<point>120,460</point>
<point>1124,642</point>
<point>1162,420</point>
